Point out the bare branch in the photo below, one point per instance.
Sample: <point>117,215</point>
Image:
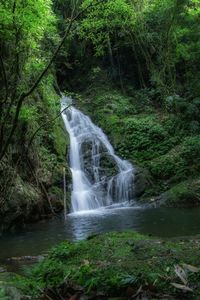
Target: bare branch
<point>5,79</point>
<point>45,123</point>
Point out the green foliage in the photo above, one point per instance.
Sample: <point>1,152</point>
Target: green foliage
<point>143,138</point>
<point>168,166</point>
<point>104,21</point>
<point>190,152</point>
<point>23,27</point>
<point>186,193</point>
<point>3,294</point>
<point>28,36</point>
<point>143,42</point>
<point>28,113</point>
<point>179,163</point>
<point>52,273</point>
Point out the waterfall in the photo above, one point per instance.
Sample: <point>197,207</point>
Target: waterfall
<point>99,177</point>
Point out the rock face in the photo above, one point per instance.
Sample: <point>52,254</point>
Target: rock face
<point>26,204</point>
<point>105,163</point>
<point>142,181</point>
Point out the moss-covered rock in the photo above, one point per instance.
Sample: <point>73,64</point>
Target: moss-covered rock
<point>25,204</point>
<point>116,263</point>
<point>7,290</point>
<point>142,181</point>
<point>184,194</point>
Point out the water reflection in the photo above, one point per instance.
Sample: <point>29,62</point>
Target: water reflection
<point>162,222</point>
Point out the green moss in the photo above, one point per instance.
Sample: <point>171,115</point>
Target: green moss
<point>61,140</point>
<point>179,163</point>
<point>7,289</point>
<point>114,261</point>
<point>190,153</point>
<point>168,166</point>
<point>145,138</point>
<point>186,193</point>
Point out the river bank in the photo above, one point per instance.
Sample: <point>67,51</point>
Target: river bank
<point>122,265</point>
<point>157,222</point>
<point>160,240</point>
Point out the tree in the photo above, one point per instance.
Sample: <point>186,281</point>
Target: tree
<point>22,88</point>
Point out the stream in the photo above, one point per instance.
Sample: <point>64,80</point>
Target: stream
<point>161,222</point>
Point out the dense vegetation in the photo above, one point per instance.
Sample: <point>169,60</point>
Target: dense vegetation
<point>30,164</point>
<point>133,66</point>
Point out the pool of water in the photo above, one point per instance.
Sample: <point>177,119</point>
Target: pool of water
<point>160,222</point>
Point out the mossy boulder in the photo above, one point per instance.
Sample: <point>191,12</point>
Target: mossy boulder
<point>7,290</point>
<point>184,194</point>
<point>24,204</point>
<point>179,163</point>
<point>142,181</point>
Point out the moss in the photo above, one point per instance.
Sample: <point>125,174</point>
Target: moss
<point>168,166</point>
<point>186,193</point>
<point>115,261</point>
<point>179,163</point>
<point>61,140</point>
<point>7,290</point>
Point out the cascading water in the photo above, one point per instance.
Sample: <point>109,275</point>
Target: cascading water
<point>99,177</point>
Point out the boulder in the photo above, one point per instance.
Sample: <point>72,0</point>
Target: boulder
<point>142,181</point>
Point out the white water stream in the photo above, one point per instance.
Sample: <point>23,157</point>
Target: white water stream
<point>99,177</point>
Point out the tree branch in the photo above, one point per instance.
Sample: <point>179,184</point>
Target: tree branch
<point>38,80</point>
<point>43,124</point>
<point>5,79</point>
<point>34,86</point>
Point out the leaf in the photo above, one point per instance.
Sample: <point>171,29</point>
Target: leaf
<point>86,262</point>
<point>182,287</point>
<point>191,268</point>
<point>129,279</point>
<point>181,273</point>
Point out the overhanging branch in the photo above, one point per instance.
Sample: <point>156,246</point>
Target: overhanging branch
<point>43,124</point>
<point>5,79</point>
<point>24,95</point>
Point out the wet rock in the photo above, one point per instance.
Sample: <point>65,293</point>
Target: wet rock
<point>96,156</point>
<point>10,292</point>
<point>2,270</point>
<point>32,259</point>
<point>142,181</point>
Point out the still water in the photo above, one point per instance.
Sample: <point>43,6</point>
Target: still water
<point>160,222</point>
